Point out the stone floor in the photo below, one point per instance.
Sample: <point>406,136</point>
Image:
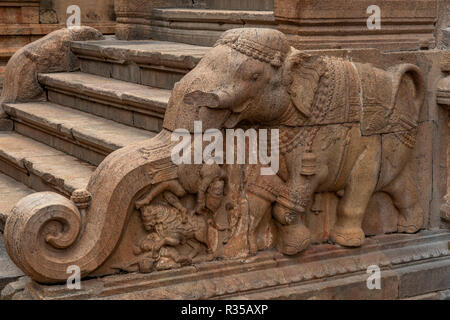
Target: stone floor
<point>8,271</point>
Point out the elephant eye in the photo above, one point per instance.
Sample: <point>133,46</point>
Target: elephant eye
<point>255,77</point>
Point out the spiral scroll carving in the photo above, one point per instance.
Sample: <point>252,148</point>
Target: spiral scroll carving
<point>40,227</point>
<point>46,232</point>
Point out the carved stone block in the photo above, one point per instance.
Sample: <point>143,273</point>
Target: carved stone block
<point>343,24</point>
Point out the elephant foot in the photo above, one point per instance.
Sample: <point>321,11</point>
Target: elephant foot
<point>348,237</point>
<point>293,238</point>
<point>410,220</point>
<point>237,247</point>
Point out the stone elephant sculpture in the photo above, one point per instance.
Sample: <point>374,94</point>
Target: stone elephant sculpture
<point>344,127</point>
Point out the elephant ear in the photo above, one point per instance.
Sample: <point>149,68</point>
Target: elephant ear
<point>304,79</point>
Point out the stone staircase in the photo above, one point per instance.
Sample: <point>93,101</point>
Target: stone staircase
<point>204,27</point>
<point>118,97</point>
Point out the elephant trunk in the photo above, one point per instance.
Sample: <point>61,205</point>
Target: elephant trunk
<point>214,100</point>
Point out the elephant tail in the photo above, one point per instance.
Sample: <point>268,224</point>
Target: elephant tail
<point>391,100</point>
<point>399,75</point>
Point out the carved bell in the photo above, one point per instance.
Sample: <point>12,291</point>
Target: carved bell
<point>308,167</point>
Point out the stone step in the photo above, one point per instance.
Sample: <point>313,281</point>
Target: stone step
<point>214,15</point>
<point>204,26</point>
<point>240,4</point>
<point>153,63</point>
<point>124,102</point>
<point>41,167</point>
<point>83,135</point>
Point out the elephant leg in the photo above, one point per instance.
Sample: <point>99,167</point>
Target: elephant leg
<point>237,246</point>
<point>257,208</point>
<point>403,191</point>
<point>358,191</point>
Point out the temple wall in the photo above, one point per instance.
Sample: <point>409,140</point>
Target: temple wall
<point>404,24</point>
<point>97,12</point>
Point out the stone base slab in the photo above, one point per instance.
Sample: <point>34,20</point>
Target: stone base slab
<point>411,266</point>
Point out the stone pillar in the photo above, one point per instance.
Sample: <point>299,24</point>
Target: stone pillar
<point>19,12</point>
<point>404,24</point>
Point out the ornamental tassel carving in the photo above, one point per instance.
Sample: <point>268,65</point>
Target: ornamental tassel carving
<point>308,167</point>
